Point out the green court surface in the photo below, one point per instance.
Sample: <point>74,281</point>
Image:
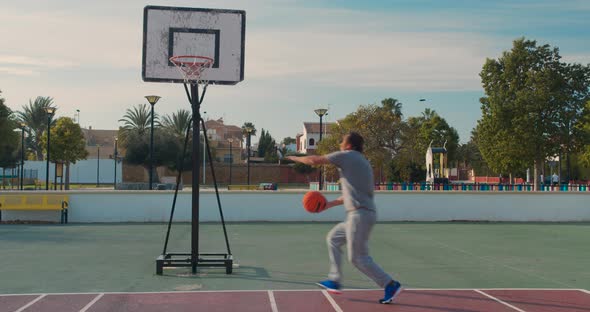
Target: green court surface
<point>121,257</point>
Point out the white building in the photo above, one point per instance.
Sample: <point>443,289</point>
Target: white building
<point>308,140</point>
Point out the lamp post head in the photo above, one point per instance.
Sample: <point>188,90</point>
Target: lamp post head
<point>50,110</point>
<point>152,99</point>
<point>321,112</point>
<point>23,125</point>
<point>249,129</point>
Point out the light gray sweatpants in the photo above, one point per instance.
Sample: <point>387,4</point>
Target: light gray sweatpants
<point>355,232</point>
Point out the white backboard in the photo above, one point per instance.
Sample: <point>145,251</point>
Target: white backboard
<point>173,31</point>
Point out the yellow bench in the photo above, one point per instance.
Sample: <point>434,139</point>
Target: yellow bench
<point>35,202</point>
<point>242,187</point>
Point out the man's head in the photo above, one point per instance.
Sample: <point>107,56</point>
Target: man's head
<point>352,141</point>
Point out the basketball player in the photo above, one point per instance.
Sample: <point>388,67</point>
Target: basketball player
<point>356,176</point>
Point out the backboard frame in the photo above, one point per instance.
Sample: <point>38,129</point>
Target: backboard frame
<point>149,76</point>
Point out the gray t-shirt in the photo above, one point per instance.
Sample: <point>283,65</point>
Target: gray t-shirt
<point>356,176</point>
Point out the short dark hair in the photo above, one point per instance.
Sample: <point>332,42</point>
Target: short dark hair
<point>355,140</point>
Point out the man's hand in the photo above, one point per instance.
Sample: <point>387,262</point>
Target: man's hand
<point>333,203</point>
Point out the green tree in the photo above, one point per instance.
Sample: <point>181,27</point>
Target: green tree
<point>529,108</point>
<point>167,151</point>
<point>572,116</point>
<point>380,126</point>
<point>68,144</point>
<point>137,120</point>
<point>35,117</point>
<point>177,123</point>
<point>245,126</point>
<point>9,144</point>
<point>584,156</point>
<point>414,137</point>
<point>267,147</point>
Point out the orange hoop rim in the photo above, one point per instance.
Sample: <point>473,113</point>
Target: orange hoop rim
<point>197,60</point>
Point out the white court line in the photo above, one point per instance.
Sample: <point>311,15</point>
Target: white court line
<point>499,301</point>
<point>331,300</point>
<point>32,302</point>
<point>86,307</point>
<point>584,290</point>
<point>274,290</point>
<point>273,303</point>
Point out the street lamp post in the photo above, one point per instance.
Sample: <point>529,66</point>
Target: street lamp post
<point>152,99</point>
<point>231,157</point>
<point>98,165</point>
<point>50,111</point>
<point>320,112</point>
<point>22,155</point>
<point>204,155</point>
<point>249,131</point>
<point>116,155</point>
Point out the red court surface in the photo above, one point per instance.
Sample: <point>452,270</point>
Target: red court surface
<point>412,300</point>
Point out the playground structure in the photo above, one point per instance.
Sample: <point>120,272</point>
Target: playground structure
<point>437,171</point>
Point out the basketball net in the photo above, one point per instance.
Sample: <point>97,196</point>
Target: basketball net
<point>192,67</point>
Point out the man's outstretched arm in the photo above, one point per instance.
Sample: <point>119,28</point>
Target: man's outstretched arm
<point>310,160</point>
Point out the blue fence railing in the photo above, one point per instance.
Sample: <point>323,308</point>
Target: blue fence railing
<point>463,187</point>
<point>481,187</point>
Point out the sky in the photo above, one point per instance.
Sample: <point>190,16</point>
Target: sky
<point>300,56</point>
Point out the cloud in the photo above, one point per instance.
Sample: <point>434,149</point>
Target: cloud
<point>32,61</point>
<point>415,61</point>
<point>18,71</point>
<point>577,58</point>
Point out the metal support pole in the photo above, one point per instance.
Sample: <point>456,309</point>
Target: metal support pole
<point>116,155</point>
<point>55,176</point>
<point>98,166</point>
<point>22,158</point>
<point>320,176</point>
<point>195,177</point>
<point>48,144</point>
<point>152,149</point>
<point>231,160</point>
<point>249,138</point>
<point>204,157</point>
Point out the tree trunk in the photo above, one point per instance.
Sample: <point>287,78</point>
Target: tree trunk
<point>569,166</point>
<point>536,175</point>
<point>67,186</point>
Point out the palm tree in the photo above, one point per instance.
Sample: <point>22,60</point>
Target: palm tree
<point>428,114</point>
<point>35,117</point>
<point>248,124</point>
<point>393,105</point>
<point>177,123</point>
<point>137,120</point>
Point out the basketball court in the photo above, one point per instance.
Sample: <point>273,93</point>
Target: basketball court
<point>415,300</point>
<point>444,267</point>
<point>273,266</point>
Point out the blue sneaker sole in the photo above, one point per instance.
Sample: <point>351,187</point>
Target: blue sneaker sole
<point>390,300</point>
<point>330,290</point>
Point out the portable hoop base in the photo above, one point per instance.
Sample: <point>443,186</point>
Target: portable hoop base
<point>195,259</point>
<point>178,260</point>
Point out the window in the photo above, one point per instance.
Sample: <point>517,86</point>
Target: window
<point>311,142</point>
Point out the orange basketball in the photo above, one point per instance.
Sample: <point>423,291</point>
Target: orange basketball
<point>314,202</point>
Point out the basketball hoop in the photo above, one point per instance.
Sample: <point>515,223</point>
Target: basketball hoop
<point>192,66</point>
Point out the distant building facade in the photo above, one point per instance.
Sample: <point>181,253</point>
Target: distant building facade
<point>307,140</point>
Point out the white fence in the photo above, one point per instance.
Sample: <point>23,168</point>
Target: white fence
<point>154,206</point>
<point>83,171</point>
